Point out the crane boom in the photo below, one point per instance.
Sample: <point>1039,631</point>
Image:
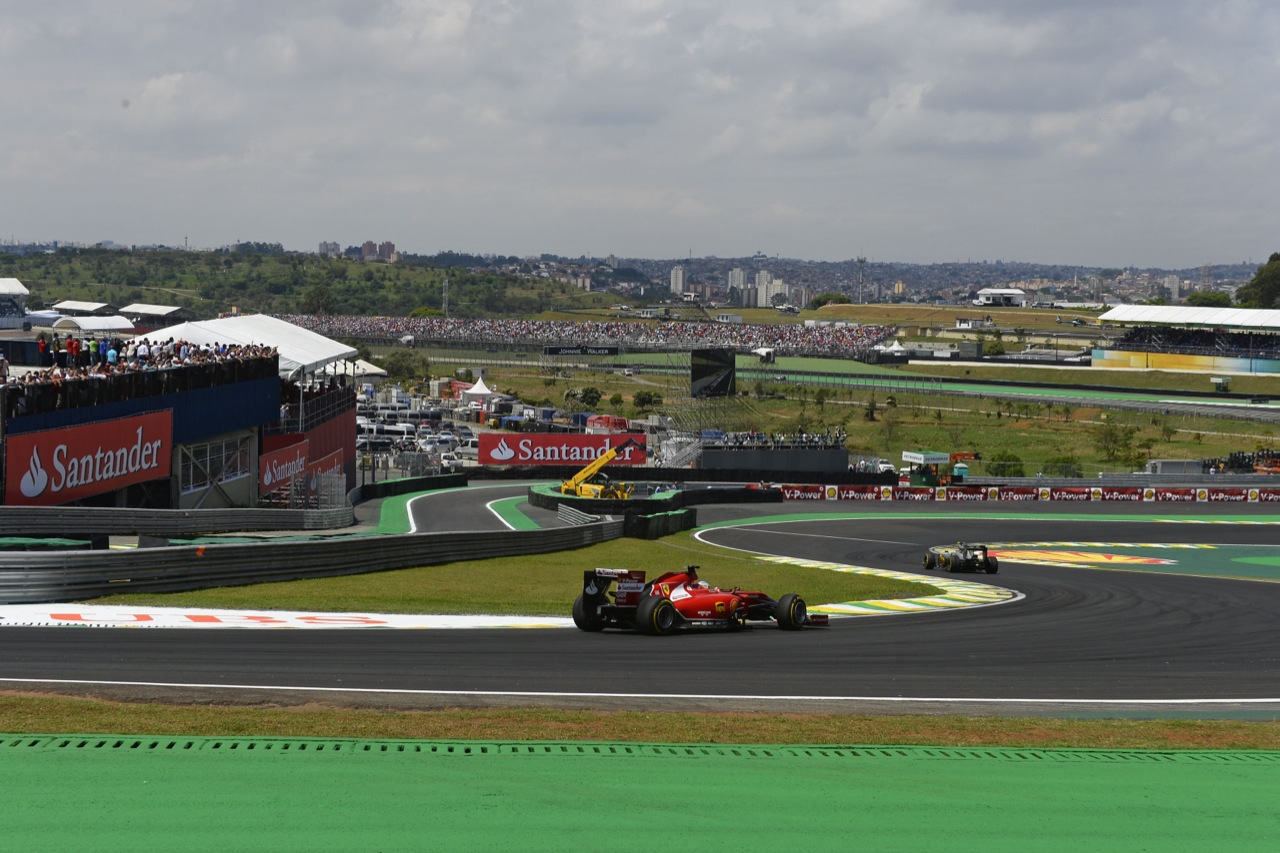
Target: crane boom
<point>579,484</point>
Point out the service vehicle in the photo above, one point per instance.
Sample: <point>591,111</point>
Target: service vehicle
<point>592,482</point>
<point>680,600</point>
<point>961,557</point>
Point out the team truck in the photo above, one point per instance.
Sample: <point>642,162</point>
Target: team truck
<point>592,482</point>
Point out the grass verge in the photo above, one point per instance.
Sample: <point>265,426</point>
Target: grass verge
<point>539,585</point>
<point>25,714</point>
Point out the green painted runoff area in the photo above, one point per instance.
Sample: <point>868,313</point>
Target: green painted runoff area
<point>163,793</point>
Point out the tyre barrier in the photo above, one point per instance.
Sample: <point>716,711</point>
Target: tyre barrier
<point>34,577</point>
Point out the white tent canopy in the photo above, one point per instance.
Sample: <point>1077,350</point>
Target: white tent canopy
<point>147,310</point>
<point>13,287</point>
<point>359,369</point>
<point>1226,318</point>
<point>301,351</point>
<point>73,306</point>
<point>93,324</point>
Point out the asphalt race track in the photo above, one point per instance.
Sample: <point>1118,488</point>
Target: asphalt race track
<point>1082,641</point>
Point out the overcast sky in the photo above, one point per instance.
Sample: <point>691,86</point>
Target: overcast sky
<point>1096,132</point>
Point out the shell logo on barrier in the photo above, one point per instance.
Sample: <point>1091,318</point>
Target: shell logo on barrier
<point>1202,494</point>
<point>1148,494</point>
<point>1095,494</point>
<point>1044,493</point>
<point>940,493</point>
<point>886,493</point>
<point>832,493</point>
<point>993,493</point>
<point>1253,496</point>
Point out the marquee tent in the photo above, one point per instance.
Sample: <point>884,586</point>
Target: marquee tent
<point>302,352</point>
<point>93,325</point>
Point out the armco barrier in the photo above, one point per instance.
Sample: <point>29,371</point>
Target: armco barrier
<point>35,577</point>
<point>39,521</point>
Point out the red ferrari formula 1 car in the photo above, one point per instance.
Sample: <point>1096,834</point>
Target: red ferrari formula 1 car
<point>679,600</point>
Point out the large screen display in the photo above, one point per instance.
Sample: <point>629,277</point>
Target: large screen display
<point>711,373</point>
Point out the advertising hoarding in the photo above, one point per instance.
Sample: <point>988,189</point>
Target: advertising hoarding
<point>554,449</point>
<point>56,466</point>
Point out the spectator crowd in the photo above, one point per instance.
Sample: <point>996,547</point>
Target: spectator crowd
<point>1219,342</point>
<point>845,339</point>
<point>95,371</point>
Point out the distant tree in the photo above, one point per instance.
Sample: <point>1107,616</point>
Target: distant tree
<point>590,396</point>
<point>616,401</point>
<point>828,299</point>
<point>1064,465</point>
<point>1263,289</point>
<point>1004,463</point>
<point>403,365</point>
<point>1115,442</point>
<point>646,399</point>
<point>1209,299</point>
<point>318,300</point>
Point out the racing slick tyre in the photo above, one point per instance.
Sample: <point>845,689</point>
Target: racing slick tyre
<point>584,620</point>
<point>930,561</point>
<point>993,565</point>
<point>656,616</point>
<point>792,612</point>
<point>946,563</point>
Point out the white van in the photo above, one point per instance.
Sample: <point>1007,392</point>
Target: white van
<point>469,448</point>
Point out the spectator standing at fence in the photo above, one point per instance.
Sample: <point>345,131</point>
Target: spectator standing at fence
<point>113,355</point>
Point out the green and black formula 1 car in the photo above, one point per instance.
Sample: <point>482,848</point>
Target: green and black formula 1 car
<point>961,557</point>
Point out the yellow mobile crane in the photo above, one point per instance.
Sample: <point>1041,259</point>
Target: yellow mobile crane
<point>591,482</point>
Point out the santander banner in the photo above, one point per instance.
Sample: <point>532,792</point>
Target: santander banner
<point>277,468</point>
<point>551,449</point>
<point>59,465</point>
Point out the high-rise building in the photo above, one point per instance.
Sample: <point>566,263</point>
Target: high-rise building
<point>330,250</point>
<point>767,287</point>
<point>737,278</point>
<point>677,280</point>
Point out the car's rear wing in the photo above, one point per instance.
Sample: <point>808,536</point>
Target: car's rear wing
<point>596,582</point>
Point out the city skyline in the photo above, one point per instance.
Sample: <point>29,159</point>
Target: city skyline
<point>917,131</point>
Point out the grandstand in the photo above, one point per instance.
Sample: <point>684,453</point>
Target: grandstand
<point>1218,340</point>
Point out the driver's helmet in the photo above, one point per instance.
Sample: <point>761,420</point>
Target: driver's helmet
<point>697,584</point>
